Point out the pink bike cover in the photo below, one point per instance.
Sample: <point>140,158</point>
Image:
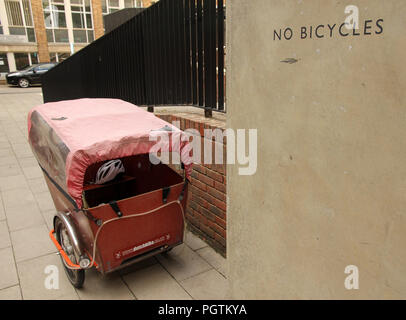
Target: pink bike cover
<point>68,136</point>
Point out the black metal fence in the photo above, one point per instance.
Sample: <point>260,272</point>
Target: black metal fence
<point>170,54</point>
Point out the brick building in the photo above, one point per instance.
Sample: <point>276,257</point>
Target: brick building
<point>33,31</point>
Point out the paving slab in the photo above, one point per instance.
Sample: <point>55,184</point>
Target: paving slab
<point>8,272</point>
<point>22,150</point>
<point>45,201</point>
<point>8,152</point>
<point>11,293</point>
<point>33,275</point>
<point>210,285</point>
<point>37,185</point>
<point>4,144</point>
<point>193,241</point>
<point>31,242</point>
<point>18,197</point>
<point>32,172</point>
<point>24,216</point>
<point>2,212</point>
<point>16,138</point>
<point>214,259</point>
<point>49,218</point>
<point>28,162</point>
<point>9,170</point>
<point>13,182</point>
<point>8,160</point>
<point>110,287</point>
<point>182,263</point>
<point>4,235</point>
<point>155,283</point>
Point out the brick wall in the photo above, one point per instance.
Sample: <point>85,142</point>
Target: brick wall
<point>207,204</point>
<point>97,19</point>
<point>40,33</point>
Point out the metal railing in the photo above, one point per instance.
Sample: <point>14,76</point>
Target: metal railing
<point>170,54</point>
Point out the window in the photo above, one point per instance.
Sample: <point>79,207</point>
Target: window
<point>22,60</point>
<point>55,20</point>
<point>133,4</point>
<point>104,6</point>
<point>110,6</point>
<point>114,5</point>
<point>82,21</point>
<point>59,56</point>
<point>19,17</point>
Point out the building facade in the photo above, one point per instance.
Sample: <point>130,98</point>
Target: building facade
<point>33,31</point>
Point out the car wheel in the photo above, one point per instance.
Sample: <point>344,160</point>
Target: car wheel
<point>23,83</point>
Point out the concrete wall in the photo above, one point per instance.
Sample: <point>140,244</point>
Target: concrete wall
<point>330,190</point>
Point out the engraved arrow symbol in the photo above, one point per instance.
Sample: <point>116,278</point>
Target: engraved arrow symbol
<point>290,60</point>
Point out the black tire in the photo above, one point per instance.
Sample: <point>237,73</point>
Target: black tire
<point>23,83</point>
<point>76,277</point>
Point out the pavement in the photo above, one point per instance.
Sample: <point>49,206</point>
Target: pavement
<point>28,258</point>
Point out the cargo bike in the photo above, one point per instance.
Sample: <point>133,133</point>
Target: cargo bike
<point>102,223</point>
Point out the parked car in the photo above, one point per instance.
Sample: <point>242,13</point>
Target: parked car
<point>29,75</point>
